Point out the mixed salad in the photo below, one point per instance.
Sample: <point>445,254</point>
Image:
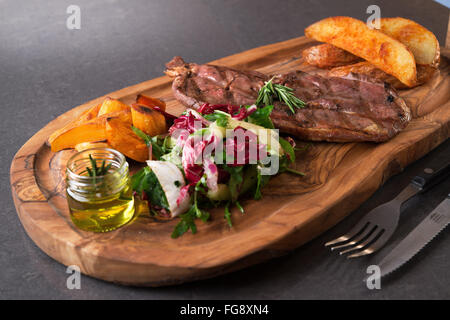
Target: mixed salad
<point>211,157</point>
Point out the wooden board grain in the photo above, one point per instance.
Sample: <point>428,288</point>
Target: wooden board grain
<point>293,210</point>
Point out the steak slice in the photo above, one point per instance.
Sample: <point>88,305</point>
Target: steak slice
<point>196,84</point>
<point>349,109</point>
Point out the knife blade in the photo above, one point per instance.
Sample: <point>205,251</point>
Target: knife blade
<point>417,239</point>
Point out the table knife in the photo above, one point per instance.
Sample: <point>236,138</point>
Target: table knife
<point>417,239</point>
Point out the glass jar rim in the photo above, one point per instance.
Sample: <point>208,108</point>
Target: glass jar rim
<point>121,159</point>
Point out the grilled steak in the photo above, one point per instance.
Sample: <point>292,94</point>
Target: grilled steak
<point>337,109</point>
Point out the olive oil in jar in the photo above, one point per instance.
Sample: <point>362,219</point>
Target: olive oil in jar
<point>98,189</point>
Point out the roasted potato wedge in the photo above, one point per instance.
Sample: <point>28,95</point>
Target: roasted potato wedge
<point>147,119</point>
<point>424,73</point>
<point>93,130</point>
<point>356,37</point>
<point>89,145</point>
<point>422,42</point>
<point>328,56</point>
<point>150,102</point>
<point>110,105</point>
<point>121,137</point>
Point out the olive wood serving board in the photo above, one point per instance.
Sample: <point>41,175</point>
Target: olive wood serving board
<point>293,210</point>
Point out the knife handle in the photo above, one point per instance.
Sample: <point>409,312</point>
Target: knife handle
<point>434,173</point>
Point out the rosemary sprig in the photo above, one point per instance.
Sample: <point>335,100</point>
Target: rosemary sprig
<point>271,91</point>
<point>95,171</point>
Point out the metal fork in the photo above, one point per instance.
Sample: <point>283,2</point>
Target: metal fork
<point>375,228</point>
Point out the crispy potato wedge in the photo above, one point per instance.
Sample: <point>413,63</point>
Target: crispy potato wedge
<point>84,117</point>
<point>150,102</point>
<point>356,37</point>
<point>422,42</point>
<point>147,119</point>
<point>110,105</point>
<point>328,56</point>
<point>93,130</point>
<point>89,145</point>
<point>424,73</point>
<point>121,137</point>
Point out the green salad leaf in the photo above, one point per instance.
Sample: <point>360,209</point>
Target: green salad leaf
<point>158,149</point>
<point>187,220</point>
<point>288,148</point>
<point>220,117</point>
<point>146,181</point>
<point>261,117</point>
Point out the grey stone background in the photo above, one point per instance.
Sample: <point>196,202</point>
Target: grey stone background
<point>46,69</point>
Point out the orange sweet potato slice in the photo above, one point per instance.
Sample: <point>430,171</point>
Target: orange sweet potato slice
<point>86,116</point>
<point>93,130</point>
<point>110,105</point>
<point>123,115</point>
<point>150,102</point>
<point>148,120</point>
<point>121,137</point>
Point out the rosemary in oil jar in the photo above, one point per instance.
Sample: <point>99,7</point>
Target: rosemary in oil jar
<point>98,189</point>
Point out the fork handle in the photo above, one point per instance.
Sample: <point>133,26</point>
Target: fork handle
<point>436,171</point>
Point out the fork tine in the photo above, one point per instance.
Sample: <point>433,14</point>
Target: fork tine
<point>377,244</point>
<point>355,231</point>
<point>367,245</point>
<point>364,233</point>
<point>362,242</point>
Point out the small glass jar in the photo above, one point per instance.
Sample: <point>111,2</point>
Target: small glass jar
<point>99,203</point>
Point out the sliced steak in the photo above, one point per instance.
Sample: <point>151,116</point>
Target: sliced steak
<point>347,109</point>
<point>196,84</point>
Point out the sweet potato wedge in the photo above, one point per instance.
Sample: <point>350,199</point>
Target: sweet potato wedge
<point>89,145</point>
<point>84,117</point>
<point>110,105</point>
<point>150,102</point>
<point>121,137</point>
<point>422,42</point>
<point>93,130</point>
<point>356,37</point>
<point>147,119</point>
<point>123,115</point>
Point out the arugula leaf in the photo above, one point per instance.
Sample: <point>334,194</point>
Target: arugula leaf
<point>157,150</point>
<point>155,192</point>
<point>288,148</point>
<point>188,219</point>
<point>146,181</point>
<point>261,182</point>
<point>221,118</point>
<point>235,181</point>
<point>142,135</point>
<point>284,167</point>
<point>240,207</point>
<point>261,117</point>
<point>137,179</point>
<point>227,215</point>
<point>186,223</point>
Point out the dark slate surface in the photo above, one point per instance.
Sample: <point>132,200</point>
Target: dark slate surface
<point>46,69</point>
